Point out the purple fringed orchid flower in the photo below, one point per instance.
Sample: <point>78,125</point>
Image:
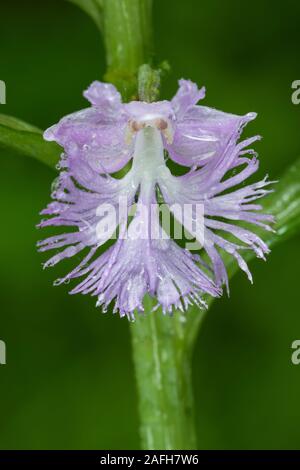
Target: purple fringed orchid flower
<point>101,140</point>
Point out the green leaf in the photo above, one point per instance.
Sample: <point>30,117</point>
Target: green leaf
<point>93,8</point>
<point>284,204</point>
<point>14,123</point>
<point>25,139</point>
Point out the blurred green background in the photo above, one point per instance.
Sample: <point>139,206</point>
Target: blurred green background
<point>69,380</point>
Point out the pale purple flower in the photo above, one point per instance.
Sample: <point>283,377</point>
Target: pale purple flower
<point>99,141</point>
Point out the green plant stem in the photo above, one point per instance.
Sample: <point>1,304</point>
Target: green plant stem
<point>128,41</point>
<point>163,374</point>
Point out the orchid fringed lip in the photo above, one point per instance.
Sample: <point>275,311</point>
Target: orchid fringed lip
<point>101,140</point>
